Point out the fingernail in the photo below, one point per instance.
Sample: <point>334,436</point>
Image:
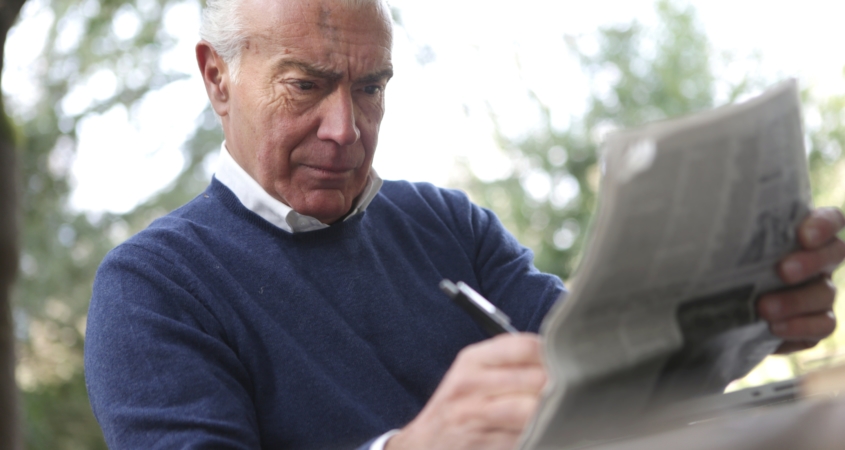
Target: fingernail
<point>779,327</point>
<point>792,269</point>
<point>773,307</point>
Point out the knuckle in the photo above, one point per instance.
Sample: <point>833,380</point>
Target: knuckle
<point>460,385</point>
<point>831,218</point>
<point>519,346</point>
<point>831,323</point>
<point>794,328</point>
<point>838,247</point>
<point>462,354</point>
<point>829,289</point>
<point>529,344</point>
<point>530,380</point>
<point>772,306</point>
<point>525,345</point>
<point>790,303</point>
<point>462,414</point>
<point>461,360</point>
<point>787,328</point>
<point>800,328</point>
<point>815,327</point>
<point>541,376</point>
<point>467,354</point>
<point>515,410</point>
<point>839,217</point>
<point>540,380</point>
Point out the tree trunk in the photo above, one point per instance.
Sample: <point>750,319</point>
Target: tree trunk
<point>9,437</point>
<point>9,429</point>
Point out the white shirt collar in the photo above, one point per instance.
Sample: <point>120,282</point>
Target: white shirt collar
<point>257,200</point>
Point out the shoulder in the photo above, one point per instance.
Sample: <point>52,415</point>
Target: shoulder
<point>422,190</point>
<point>176,239</point>
<point>213,213</point>
<point>434,210</point>
<point>173,230</point>
<point>162,270</point>
<point>425,198</point>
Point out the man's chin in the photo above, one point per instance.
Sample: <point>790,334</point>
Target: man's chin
<point>327,207</point>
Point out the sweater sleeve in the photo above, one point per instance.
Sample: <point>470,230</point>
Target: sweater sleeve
<point>504,268</point>
<point>508,276</point>
<point>158,369</point>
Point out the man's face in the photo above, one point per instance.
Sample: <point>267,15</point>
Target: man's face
<point>304,117</point>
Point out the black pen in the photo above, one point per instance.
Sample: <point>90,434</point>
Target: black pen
<point>490,318</point>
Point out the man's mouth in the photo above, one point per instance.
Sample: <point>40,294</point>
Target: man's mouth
<point>330,170</point>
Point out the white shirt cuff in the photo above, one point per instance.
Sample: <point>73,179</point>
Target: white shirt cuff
<point>378,444</point>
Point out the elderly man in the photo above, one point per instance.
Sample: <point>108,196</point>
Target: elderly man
<point>294,304</point>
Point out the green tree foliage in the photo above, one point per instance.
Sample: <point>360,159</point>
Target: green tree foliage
<point>651,76</point>
<point>641,75</point>
<point>61,248</point>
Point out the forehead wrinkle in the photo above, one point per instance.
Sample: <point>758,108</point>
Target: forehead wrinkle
<point>316,71</point>
<point>299,32</point>
<point>310,69</point>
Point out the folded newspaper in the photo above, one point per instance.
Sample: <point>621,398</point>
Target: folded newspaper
<point>694,214</point>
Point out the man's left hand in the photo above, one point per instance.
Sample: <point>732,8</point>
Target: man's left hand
<point>803,315</point>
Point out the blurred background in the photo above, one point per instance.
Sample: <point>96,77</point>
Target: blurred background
<point>506,100</point>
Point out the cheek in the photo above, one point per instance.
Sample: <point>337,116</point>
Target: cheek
<point>369,138</point>
<point>272,148</point>
<point>274,169</point>
<point>369,122</point>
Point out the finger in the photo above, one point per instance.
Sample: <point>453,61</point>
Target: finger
<point>504,350</point>
<point>481,440</point>
<point>803,265</point>
<point>820,227</point>
<point>527,380</point>
<point>814,298</point>
<point>510,412</point>
<point>812,327</point>
<point>487,382</point>
<point>497,440</point>
<point>507,413</point>
<point>795,346</point>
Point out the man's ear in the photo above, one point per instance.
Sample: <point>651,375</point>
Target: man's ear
<point>215,74</point>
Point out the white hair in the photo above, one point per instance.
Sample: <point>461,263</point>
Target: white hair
<point>223,28</point>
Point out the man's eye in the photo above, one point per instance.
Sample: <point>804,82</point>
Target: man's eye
<point>305,85</point>
<point>372,89</point>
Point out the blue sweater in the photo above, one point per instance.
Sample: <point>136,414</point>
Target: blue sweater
<point>214,329</point>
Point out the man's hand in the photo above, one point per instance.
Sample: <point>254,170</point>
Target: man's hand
<point>803,315</point>
<point>485,399</point>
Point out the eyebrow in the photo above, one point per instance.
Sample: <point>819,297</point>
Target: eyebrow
<point>385,74</point>
<point>316,72</point>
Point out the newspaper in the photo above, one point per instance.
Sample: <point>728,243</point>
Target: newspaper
<point>693,216</point>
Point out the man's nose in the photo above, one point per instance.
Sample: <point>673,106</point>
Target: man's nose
<point>338,121</point>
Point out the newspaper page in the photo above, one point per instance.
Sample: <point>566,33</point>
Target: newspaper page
<point>694,214</point>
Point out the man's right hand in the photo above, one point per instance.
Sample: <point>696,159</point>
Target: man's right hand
<point>485,399</point>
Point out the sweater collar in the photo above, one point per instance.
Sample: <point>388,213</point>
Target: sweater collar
<point>257,200</point>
